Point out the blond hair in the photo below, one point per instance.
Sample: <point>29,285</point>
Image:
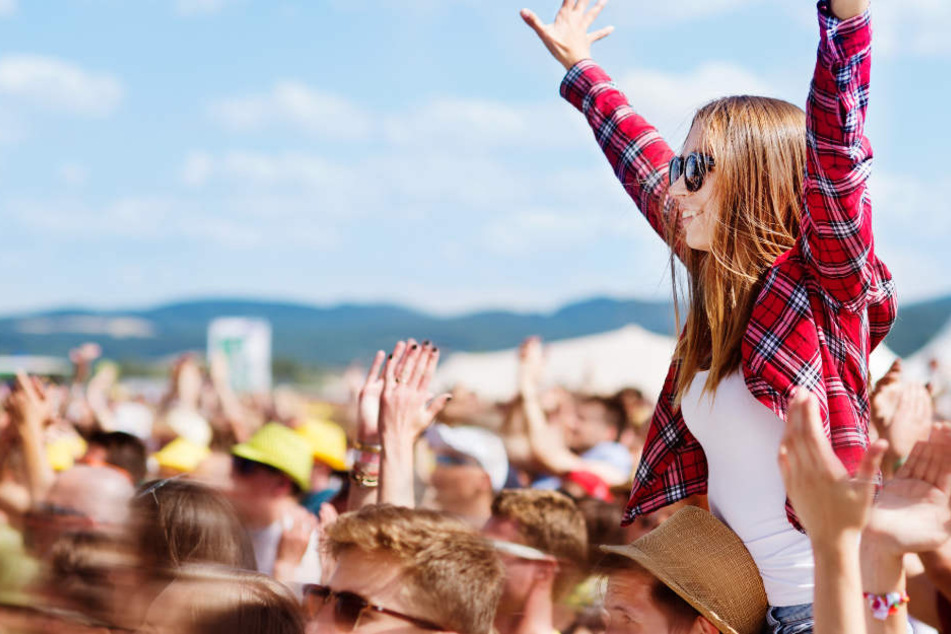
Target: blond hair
<point>453,575</point>
<point>759,145</point>
<point>551,522</point>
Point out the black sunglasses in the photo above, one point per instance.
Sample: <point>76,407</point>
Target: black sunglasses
<point>350,606</point>
<point>694,167</point>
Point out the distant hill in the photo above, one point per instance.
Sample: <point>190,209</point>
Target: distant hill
<point>333,336</point>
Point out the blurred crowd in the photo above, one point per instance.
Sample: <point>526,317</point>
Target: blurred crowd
<point>206,510</point>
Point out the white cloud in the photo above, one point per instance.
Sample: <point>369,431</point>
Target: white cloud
<point>59,85</point>
<point>913,27</point>
<point>198,169</point>
<point>73,174</point>
<point>7,8</point>
<point>294,105</point>
<point>668,100</point>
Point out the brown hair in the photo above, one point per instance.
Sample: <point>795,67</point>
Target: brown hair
<point>759,145</point>
<point>453,575</point>
<point>180,521</point>
<point>228,601</point>
<point>551,522</point>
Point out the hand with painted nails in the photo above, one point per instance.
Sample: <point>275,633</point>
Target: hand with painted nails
<point>407,406</point>
<point>828,502</point>
<point>567,37</point>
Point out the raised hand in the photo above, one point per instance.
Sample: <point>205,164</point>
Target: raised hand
<point>29,406</point>
<point>829,503</point>
<point>567,37</point>
<point>913,513</point>
<point>531,364</point>
<point>407,407</point>
<point>902,413</point>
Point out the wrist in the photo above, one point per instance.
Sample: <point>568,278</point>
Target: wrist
<point>882,570</point>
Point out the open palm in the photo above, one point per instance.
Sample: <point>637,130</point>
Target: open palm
<point>567,37</point>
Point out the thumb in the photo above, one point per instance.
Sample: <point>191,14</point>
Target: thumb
<point>437,405</point>
<point>533,21</point>
<point>872,461</point>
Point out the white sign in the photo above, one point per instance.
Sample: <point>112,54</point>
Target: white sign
<point>246,345</point>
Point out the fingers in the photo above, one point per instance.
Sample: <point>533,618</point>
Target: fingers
<point>401,364</point>
<point>419,369</point>
<point>410,361</point>
<point>436,405</point>
<point>872,461</point>
<point>27,386</point>
<point>592,15</point>
<point>389,373</point>
<point>374,372</point>
<point>600,34</point>
<point>533,21</point>
<point>430,370</point>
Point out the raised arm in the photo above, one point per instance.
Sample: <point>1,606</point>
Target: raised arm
<point>634,148</point>
<point>837,223</point>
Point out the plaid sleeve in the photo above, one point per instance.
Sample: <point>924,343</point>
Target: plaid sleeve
<point>837,224</point>
<point>636,151</point>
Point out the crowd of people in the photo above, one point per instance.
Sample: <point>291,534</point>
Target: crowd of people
<point>208,511</point>
<point>771,487</point>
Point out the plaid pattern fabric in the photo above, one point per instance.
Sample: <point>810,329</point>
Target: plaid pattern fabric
<point>824,305</point>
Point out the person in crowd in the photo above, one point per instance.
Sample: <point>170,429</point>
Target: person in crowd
<point>586,442</point>
<point>471,467</point>
<point>81,498</point>
<point>768,210</point>
<point>690,575</point>
<point>269,472</point>
<point>206,599</point>
<point>542,539</point>
<point>408,570</point>
<point>120,450</point>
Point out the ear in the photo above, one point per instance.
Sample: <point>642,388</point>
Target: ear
<point>702,626</point>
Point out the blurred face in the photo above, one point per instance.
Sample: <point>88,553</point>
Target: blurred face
<point>519,573</point>
<point>589,427</point>
<point>698,210</point>
<point>375,578</point>
<point>629,607</point>
<point>459,483</point>
<point>256,491</point>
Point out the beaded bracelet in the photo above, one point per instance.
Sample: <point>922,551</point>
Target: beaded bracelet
<point>884,605</point>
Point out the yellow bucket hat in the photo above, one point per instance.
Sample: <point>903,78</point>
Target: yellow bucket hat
<point>327,441</point>
<point>182,455</point>
<point>280,447</point>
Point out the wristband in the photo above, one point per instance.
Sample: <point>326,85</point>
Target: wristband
<point>884,605</point>
<point>367,448</point>
<point>365,480</point>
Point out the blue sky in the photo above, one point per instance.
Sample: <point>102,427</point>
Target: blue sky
<point>398,150</point>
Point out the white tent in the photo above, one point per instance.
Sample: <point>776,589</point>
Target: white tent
<point>603,363</point>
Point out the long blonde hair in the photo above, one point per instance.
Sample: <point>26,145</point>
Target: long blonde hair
<point>759,145</point>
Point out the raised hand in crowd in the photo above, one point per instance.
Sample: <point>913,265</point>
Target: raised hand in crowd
<point>568,38</point>
<point>30,411</point>
<point>902,414</point>
<point>299,527</point>
<point>833,508</point>
<point>407,408</point>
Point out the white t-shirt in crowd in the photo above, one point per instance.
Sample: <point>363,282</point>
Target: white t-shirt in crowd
<point>740,437</point>
<point>265,542</point>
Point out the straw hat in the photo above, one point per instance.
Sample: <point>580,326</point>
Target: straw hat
<point>703,561</point>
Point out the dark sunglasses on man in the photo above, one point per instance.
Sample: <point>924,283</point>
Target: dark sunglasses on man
<point>694,167</point>
<point>348,607</point>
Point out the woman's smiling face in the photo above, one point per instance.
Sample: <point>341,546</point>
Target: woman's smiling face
<point>698,210</point>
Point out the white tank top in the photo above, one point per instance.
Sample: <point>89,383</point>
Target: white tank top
<point>740,437</point>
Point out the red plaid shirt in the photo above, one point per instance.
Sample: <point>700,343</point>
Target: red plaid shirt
<point>825,304</point>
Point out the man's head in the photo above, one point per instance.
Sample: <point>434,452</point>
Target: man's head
<point>268,471</point>
<point>416,565</point>
<point>598,420</point>
<point>81,498</point>
<point>691,575</point>
<point>471,465</point>
<point>547,521</point>
<point>121,450</point>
